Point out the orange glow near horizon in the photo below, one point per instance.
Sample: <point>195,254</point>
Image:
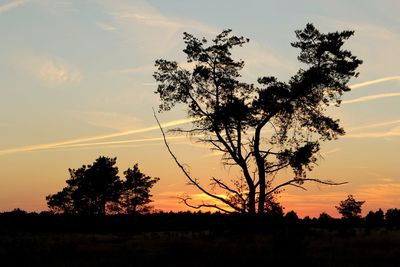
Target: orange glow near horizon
<point>79,85</point>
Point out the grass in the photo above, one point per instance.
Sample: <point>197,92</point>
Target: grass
<point>283,246</point>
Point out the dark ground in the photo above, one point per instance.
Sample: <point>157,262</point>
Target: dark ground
<point>192,240</point>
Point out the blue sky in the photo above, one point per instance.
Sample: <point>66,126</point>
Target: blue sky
<point>73,70</point>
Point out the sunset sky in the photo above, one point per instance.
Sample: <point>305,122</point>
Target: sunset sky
<point>76,83</point>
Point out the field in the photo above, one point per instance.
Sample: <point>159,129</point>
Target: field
<point>275,245</point>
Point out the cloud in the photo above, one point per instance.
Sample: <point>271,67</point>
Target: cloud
<point>380,195</point>
<point>92,138</point>
<point>105,27</point>
<point>374,125</point>
<point>150,20</point>
<point>50,70</point>
<point>150,17</point>
<point>332,151</point>
<point>55,72</point>
<point>372,82</point>
<point>145,69</point>
<point>147,29</point>
<point>141,140</point>
<point>394,132</point>
<point>370,97</point>
<point>109,120</point>
<point>11,5</point>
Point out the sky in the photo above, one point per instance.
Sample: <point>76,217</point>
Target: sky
<point>76,83</point>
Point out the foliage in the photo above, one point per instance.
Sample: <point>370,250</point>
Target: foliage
<point>97,189</point>
<point>263,128</point>
<point>375,218</point>
<point>136,191</point>
<point>350,208</point>
<point>392,217</point>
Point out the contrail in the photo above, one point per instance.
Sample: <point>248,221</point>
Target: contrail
<point>369,98</point>
<point>84,140</point>
<point>367,83</point>
<point>121,142</point>
<point>375,125</point>
<point>94,138</point>
<point>392,133</point>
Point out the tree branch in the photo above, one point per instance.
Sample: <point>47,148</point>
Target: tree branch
<point>294,182</point>
<point>203,205</point>
<point>192,181</point>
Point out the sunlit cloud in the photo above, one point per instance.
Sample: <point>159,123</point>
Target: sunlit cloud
<point>50,70</point>
<point>372,82</point>
<point>140,69</point>
<point>93,138</point>
<point>374,125</point>
<point>332,151</point>
<point>391,133</point>
<point>55,72</point>
<point>11,5</point>
<point>141,140</point>
<point>150,17</point>
<point>380,195</point>
<point>370,97</point>
<point>150,20</point>
<point>105,27</point>
<point>109,120</point>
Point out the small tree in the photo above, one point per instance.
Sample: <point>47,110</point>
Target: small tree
<point>89,189</point>
<point>350,208</point>
<point>392,217</point>
<point>263,128</point>
<point>136,191</point>
<point>97,189</point>
<point>375,218</point>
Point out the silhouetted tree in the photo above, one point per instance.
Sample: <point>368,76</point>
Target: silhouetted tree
<point>291,217</point>
<point>324,217</point>
<point>375,218</point>
<point>61,202</point>
<point>97,189</point>
<point>136,191</point>
<point>350,208</point>
<point>89,189</point>
<point>262,128</point>
<point>273,207</point>
<point>392,217</point>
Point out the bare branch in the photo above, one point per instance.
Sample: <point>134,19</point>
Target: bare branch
<point>296,181</point>
<point>203,205</point>
<point>192,180</point>
<point>227,188</point>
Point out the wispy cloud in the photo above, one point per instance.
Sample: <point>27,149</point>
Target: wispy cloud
<point>130,141</point>
<point>370,97</point>
<point>55,72</point>
<point>374,125</point>
<point>150,20</point>
<point>50,70</point>
<point>335,150</point>
<point>148,30</point>
<point>372,82</point>
<point>11,5</point>
<point>105,27</point>
<point>150,17</point>
<point>149,68</point>
<point>109,120</point>
<point>394,132</point>
<point>92,138</point>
